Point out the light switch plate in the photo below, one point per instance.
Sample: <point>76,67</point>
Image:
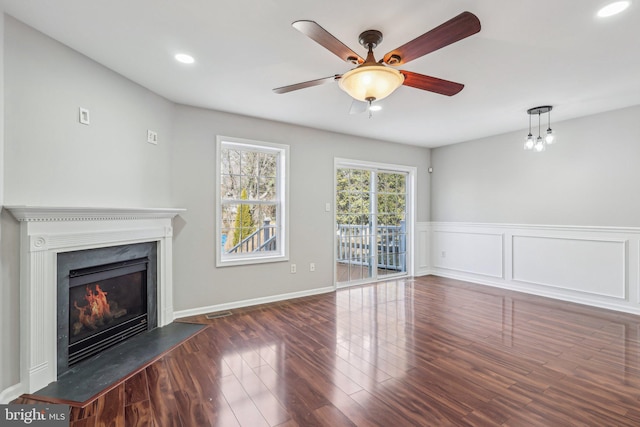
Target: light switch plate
<point>84,116</point>
<point>152,137</point>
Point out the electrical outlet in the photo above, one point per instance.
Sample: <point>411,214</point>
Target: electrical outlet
<point>327,207</point>
<point>293,268</point>
<point>443,254</point>
<point>152,137</point>
<point>312,266</point>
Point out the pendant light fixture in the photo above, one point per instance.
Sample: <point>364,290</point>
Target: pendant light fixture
<point>540,144</point>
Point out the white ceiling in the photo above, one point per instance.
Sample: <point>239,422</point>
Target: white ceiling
<point>527,54</point>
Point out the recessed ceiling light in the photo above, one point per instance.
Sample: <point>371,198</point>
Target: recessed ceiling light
<point>184,58</point>
<point>613,8</point>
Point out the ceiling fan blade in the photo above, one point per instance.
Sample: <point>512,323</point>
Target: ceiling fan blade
<point>325,39</point>
<point>455,29</point>
<point>431,84</point>
<point>303,85</point>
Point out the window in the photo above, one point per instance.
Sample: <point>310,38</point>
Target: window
<point>252,194</point>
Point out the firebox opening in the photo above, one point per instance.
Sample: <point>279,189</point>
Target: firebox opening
<point>107,304</point>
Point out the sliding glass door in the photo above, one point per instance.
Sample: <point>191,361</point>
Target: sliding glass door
<point>371,224</point>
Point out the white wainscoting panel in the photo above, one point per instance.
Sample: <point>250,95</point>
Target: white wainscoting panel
<point>423,249</point>
<point>598,266</point>
<point>585,265</point>
<point>469,252</point>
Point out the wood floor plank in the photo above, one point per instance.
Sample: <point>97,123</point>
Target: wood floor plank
<point>193,393</point>
<point>84,422</point>
<point>136,388</point>
<point>240,402</point>
<point>88,411</point>
<point>161,395</point>
<point>262,397</point>
<point>110,408</point>
<point>138,414</point>
<point>329,415</point>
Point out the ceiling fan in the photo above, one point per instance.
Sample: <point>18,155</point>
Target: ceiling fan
<point>373,80</point>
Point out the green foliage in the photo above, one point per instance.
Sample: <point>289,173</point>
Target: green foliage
<point>244,225</point>
<point>354,193</point>
<point>391,198</point>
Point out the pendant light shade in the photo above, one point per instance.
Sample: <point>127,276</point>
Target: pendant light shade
<point>550,138</point>
<point>529,142</point>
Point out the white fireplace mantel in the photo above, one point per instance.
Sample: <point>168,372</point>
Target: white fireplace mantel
<point>47,231</point>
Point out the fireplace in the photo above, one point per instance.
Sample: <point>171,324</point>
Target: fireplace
<point>107,304</point>
<point>51,233</point>
<point>105,296</point>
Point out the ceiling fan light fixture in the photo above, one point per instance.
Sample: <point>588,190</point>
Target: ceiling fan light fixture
<point>371,82</point>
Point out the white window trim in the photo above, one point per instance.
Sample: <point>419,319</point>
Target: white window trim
<point>283,181</point>
<point>412,173</point>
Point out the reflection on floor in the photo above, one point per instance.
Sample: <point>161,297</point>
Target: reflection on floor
<point>357,273</point>
<point>428,352</point>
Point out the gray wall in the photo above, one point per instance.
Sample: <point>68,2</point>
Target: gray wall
<point>52,160</point>
<point>590,178</point>
<point>9,301</point>
<point>198,282</point>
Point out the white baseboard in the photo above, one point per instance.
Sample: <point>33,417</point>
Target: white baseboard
<point>11,393</point>
<point>250,302</point>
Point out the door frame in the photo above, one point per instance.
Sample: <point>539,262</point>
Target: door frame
<point>412,172</point>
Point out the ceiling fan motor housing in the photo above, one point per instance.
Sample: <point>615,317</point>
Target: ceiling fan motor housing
<point>370,38</point>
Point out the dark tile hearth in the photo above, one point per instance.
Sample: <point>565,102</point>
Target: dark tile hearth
<point>93,376</point>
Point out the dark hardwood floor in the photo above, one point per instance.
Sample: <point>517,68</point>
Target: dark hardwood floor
<point>425,352</point>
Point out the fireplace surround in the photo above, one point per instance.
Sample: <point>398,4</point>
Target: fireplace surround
<point>47,232</point>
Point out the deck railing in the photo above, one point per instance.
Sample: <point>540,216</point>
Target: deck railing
<point>263,239</point>
<point>354,245</point>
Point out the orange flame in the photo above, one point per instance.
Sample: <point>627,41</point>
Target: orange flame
<point>97,309</point>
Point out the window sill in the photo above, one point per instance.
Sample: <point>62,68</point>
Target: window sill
<point>230,262</point>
